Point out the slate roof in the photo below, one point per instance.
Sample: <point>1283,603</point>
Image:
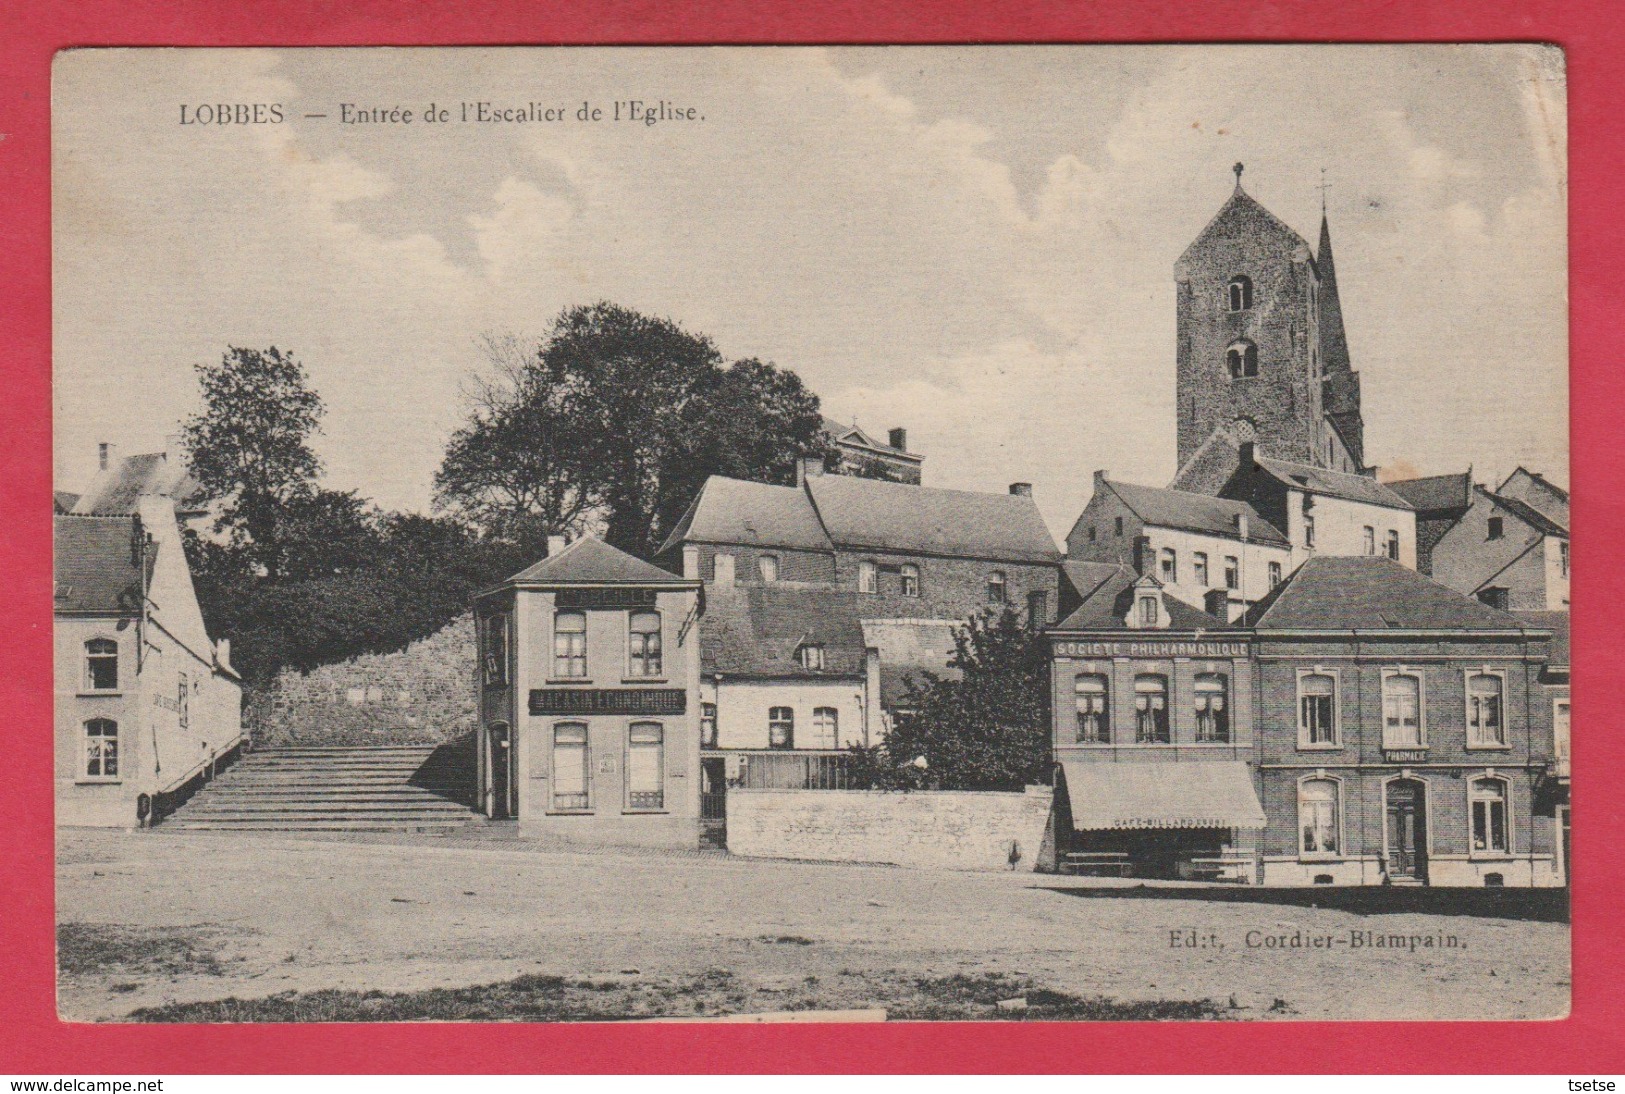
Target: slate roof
<point>1086,577</point>
<point>95,568</point>
<point>1370,593</point>
<point>891,516</point>
<point>1195,512</point>
<point>1558,624</point>
<point>115,490</point>
<point>591,561</point>
<point>735,511</point>
<point>1527,513</point>
<point>1335,484</point>
<point>63,502</point>
<point>759,630</point>
<point>1106,608</point>
<point>1243,202</point>
<point>1436,492</point>
<point>908,650</point>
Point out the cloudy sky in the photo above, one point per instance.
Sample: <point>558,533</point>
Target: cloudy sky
<point>977,244</point>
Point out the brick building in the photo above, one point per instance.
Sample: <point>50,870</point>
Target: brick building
<point>1439,501</point>
<point>857,453</point>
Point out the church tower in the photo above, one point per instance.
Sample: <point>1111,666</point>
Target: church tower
<point>1262,356</point>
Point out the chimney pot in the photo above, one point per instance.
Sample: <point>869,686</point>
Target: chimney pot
<point>555,544</point>
<point>106,454</point>
<point>1100,477</point>
<point>1022,489</point>
<point>222,651</point>
<point>899,438</point>
<point>691,561</point>
<point>1142,555</point>
<point>1217,602</point>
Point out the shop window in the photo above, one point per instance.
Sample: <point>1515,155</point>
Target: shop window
<point>910,575</point>
<point>708,725</point>
<point>1240,293</point>
<point>1318,817</point>
<point>995,587</point>
<point>644,657</point>
<point>1094,712</point>
<point>101,665</point>
<point>1486,728</point>
<point>1487,798</point>
<point>826,727</point>
<point>1401,711</point>
<point>101,749</point>
<point>570,645</point>
<point>1151,709</point>
<point>781,727</point>
<point>1168,566</point>
<point>767,567</point>
<point>1232,572</point>
<point>496,649</point>
<point>1317,710</point>
<point>866,577</point>
<point>1199,569</point>
<point>646,765</point>
<point>1212,708</point>
<point>571,775</point>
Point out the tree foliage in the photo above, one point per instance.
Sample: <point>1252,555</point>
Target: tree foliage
<point>612,422</point>
<point>989,729</point>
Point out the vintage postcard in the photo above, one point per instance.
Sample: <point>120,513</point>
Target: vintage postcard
<point>811,534</point>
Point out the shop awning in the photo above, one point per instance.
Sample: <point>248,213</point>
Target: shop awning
<point>1186,794</point>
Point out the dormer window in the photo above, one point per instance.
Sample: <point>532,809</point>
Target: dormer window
<point>1240,292</point>
<point>1149,612</point>
<point>812,658</point>
<point>1242,360</point>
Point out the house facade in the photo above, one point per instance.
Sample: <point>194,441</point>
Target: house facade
<point>859,453</point>
<point>1506,553</point>
<point>589,678</point>
<point>148,707</point>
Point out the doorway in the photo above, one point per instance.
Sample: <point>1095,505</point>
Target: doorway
<point>1407,837</point>
<point>714,801</point>
<point>501,773</point>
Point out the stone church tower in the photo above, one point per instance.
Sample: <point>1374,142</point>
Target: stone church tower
<point>1262,356</point>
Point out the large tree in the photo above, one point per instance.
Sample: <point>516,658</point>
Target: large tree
<point>249,448</point>
<point>612,423</point>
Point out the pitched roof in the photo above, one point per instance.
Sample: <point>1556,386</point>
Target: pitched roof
<point>891,516</point>
<point>591,561</point>
<point>1195,512</point>
<point>1370,593</point>
<point>1527,513</point>
<point>1435,492</point>
<point>759,630</point>
<point>1086,577</point>
<point>1107,608</point>
<point>63,501</point>
<point>1334,484</point>
<point>95,566</point>
<point>1558,624</point>
<point>115,490</point>
<point>855,434</point>
<point>1536,476</point>
<point>750,513</point>
<point>909,649</point>
<point>1242,204</point>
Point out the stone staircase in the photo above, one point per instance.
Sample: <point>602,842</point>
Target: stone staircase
<point>404,788</point>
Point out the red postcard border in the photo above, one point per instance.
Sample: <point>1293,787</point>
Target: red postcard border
<point>32,1040</point>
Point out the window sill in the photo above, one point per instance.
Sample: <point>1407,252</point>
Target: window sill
<point>632,680</point>
<point>1302,747</point>
<point>1489,748</point>
<point>570,812</point>
<point>91,780</point>
<point>645,812</point>
<point>1491,856</point>
<point>1322,859</point>
<point>566,681</point>
<point>99,694</point>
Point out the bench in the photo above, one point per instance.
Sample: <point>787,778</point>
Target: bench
<point>1101,863</point>
<point>1226,866</point>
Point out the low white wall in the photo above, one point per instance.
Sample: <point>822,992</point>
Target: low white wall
<point>955,830</point>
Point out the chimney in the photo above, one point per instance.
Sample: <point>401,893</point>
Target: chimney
<point>1241,526</point>
<point>810,467</point>
<point>1248,453</point>
<point>1100,478</point>
<point>174,447</point>
<point>898,437</point>
<point>555,545</point>
<point>1217,602</point>
<point>1022,489</point>
<point>222,651</point>
<point>1143,557</point>
<point>691,561</point>
<point>106,455</point>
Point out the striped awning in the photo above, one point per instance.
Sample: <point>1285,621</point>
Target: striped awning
<point>1187,794</point>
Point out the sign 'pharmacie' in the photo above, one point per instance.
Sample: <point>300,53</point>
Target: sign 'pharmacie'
<point>1142,648</point>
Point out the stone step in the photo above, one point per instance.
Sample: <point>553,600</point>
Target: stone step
<point>311,826</point>
<point>290,809</point>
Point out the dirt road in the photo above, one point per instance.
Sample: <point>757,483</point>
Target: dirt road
<point>155,918</point>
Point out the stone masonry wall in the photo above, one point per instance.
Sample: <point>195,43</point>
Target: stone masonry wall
<point>955,830</point>
<point>424,694</point>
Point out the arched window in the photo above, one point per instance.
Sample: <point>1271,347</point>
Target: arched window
<point>1239,293</point>
<point>643,644</point>
<point>995,587</point>
<point>781,727</point>
<point>1094,715</point>
<point>1212,708</point>
<point>1487,799</point>
<point>1401,711</point>
<point>1485,726</point>
<point>570,645</point>
<point>101,665</point>
<point>646,766</point>
<point>101,749</point>
<point>826,727</point>
<point>910,574</point>
<point>1318,816</point>
<point>1242,360</point>
<point>1151,709</point>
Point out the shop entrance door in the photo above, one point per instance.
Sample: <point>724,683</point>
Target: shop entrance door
<point>501,789</point>
<point>1407,831</point>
